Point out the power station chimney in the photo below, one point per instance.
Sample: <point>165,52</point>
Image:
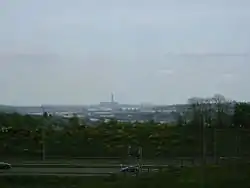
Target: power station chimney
<point>112,98</point>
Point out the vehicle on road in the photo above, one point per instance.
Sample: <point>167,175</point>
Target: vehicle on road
<point>130,169</point>
<point>4,165</point>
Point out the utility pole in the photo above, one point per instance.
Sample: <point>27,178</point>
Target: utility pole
<point>43,136</point>
<point>129,154</point>
<point>43,145</point>
<point>140,157</point>
<point>215,144</point>
<point>203,147</point>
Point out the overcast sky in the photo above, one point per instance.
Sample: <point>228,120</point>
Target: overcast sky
<point>79,51</point>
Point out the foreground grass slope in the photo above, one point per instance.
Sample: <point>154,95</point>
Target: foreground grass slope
<point>225,131</point>
<point>157,141</point>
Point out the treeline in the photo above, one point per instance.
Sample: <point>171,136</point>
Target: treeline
<point>222,128</point>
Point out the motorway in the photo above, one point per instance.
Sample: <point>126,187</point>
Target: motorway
<point>63,171</point>
<point>59,171</point>
<point>77,169</point>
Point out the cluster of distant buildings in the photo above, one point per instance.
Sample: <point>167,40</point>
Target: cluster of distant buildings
<point>114,110</point>
<point>105,111</point>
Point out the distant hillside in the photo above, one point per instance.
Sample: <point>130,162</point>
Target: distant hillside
<point>7,109</point>
<point>39,109</point>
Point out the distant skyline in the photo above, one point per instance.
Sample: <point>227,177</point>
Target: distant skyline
<point>79,51</point>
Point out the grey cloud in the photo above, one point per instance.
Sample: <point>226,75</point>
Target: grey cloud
<point>79,51</point>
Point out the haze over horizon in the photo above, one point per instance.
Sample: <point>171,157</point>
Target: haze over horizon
<point>79,51</point>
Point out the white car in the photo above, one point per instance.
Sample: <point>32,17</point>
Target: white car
<point>132,169</point>
<point>4,165</point>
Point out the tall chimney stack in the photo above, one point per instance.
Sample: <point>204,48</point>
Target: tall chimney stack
<point>112,98</point>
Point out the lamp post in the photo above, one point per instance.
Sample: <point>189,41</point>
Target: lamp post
<point>43,136</point>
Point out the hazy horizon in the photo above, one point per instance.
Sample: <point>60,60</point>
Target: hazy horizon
<point>79,51</point>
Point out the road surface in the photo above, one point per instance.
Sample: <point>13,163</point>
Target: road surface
<point>15,171</point>
<point>51,174</point>
<point>58,171</point>
<point>77,170</point>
